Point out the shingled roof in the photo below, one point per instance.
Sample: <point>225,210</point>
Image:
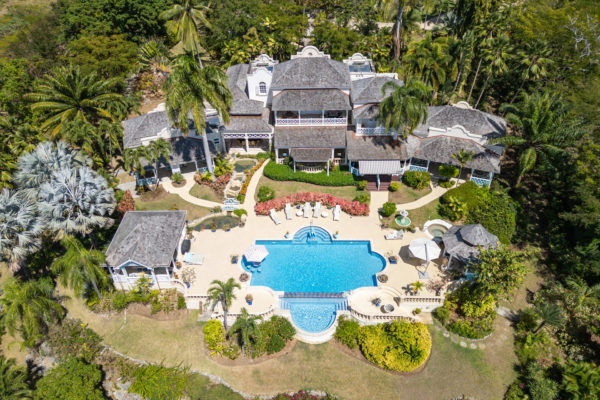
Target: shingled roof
<point>440,149</point>
<point>311,99</point>
<point>310,155</point>
<point>311,73</point>
<point>148,238</point>
<point>242,105</point>
<point>368,111</point>
<point>186,149</point>
<point>475,121</point>
<point>243,125</point>
<point>369,90</point>
<point>375,148</point>
<point>145,126</point>
<point>463,242</point>
<point>310,136</point>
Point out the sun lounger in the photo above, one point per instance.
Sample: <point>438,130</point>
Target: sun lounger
<point>317,210</point>
<point>274,216</point>
<point>396,235</point>
<point>306,210</point>
<point>336,212</point>
<point>193,258</point>
<point>288,211</point>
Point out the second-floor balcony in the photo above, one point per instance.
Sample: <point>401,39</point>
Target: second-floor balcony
<point>374,131</point>
<point>304,118</point>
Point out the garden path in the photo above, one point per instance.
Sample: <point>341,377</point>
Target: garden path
<point>436,193</point>
<point>184,191</point>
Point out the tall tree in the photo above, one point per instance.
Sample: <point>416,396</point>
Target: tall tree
<point>581,380</point>
<point>247,328</point>
<point>406,107</point>
<point>534,59</point>
<point>550,314</point>
<point>541,127</point>
<point>20,228</point>
<point>188,88</point>
<point>157,149</point>
<point>398,10</point>
<point>429,60</point>
<point>496,57</point>
<point>29,307</point>
<point>463,157</point>
<point>132,158</point>
<point>13,381</point>
<point>68,94</point>
<point>222,292</point>
<point>79,267</point>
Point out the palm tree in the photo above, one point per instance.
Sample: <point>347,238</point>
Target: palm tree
<point>188,88</point>
<point>20,228</point>
<point>247,328</point>
<point>414,352</point>
<point>112,134</point>
<point>70,94</point>
<point>406,107</point>
<point>463,157</point>
<point>157,149</point>
<point>29,307</point>
<point>13,381</point>
<point>132,158</point>
<point>541,126</point>
<point>496,55</point>
<point>462,52</point>
<point>222,292</point>
<point>75,201</point>
<point>580,295</point>
<point>550,314</point>
<point>429,60</point>
<point>399,10</point>
<point>417,286</point>
<point>154,55</point>
<point>534,60</point>
<point>185,19</point>
<point>581,380</point>
<point>79,267</point>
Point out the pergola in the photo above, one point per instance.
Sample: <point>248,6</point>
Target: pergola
<point>465,242</point>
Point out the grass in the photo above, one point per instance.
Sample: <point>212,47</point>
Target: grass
<point>205,193</point>
<point>172,202</point>
<point>451,370</point>
<point>531,283</point>
<point>407,194</point>
<point>284,188</point>
<point>421,215</point>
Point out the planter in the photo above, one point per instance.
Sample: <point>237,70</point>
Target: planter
<point>249,302</point>
<point>335,236</point>
<point>249,299</point>
<point>287,236</point>
<point>213,230</point>
<point>244,277</point>
<point>382,278</point>
<point>187,284</point>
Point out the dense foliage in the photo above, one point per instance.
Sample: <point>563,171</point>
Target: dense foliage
<point>417,179</point>
<point>336,177</point>
<point>72,380</point>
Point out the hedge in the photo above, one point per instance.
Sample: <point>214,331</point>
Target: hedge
<point>337,177</point>
<point>418,180</point>
<point>349,207</point>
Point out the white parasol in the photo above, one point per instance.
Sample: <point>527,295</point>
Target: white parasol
<point>424,249</point>
<point>256,253</point>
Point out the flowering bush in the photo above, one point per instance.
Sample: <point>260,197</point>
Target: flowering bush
<point>249,175</point>
<point>349,207</point>
<point>126,203</point>
<point>301,395</point>
<point>218,185</point>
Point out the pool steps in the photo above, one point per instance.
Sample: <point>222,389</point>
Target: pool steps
<point>320,235</point>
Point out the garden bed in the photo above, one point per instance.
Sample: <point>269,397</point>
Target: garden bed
<point>145,310</point>
<point>205,192</point>
<point>245,360</point>
<point>285,188</point>
<point>349,207</point>
<point>219,222</point>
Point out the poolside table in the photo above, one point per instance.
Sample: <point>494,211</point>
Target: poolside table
<point>299,213</point>
<point>324,214</point>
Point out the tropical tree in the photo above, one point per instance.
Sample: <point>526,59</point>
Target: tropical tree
<point>20,228</point>
<point>222,292</point>
<point>157,149</point>
<point>463,157</point>
<point>28,308</point>
<point>406,107</point>
<point>581,380</point>
<point>132,158</point>
<point>405,17</point>
<point>185,19</point>
<point>461,51</point>
<point>13,381</point>
<point>496,56</point>
<point>247,328</point>
<point>112,135</point>
<point>499,271</point>
<point>39,165</point>
<point>550,314</point>
<point>75,201</point>
<point>429,60</point>
<point>71,379</point>
<point>68,94</point>
<point>154,55</point>
<point>535,60</point>
<point>79,267</point>
<point>417,286</point>
<point>188,88</point>
<point>16,138</point>
<point>541,127</point>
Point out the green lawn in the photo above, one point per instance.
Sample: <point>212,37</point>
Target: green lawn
<point>284,188</point>
<point>172,202</point>
<point>450,372</point>
<point>425,213</point>
<point>205,193</point>
<point>406,194</point>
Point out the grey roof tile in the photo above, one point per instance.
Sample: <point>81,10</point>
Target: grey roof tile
<point>368,111</point>
<point>310,136</point>
<point>241,125</point>
<point>375,148</point>
<point>147,125</point>
<point>475,121</point>
<point>310,155</point>
<point>369,90</point>
<point>310,100</point>
<point>311,73</point>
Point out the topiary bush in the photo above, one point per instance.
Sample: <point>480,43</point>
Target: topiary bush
<point>265,193</point>
<point>239,212</point>
<point>447,184</point>
<point>448,171</point>
<point>177,177</point>
<point>362,185</point>
<point>336,177</point>
<point>214,337</point>
<point>363,198</point>
<point>394,186</point>
<point>388,209</point>
<point>347,332</point>
<point>417,179</point>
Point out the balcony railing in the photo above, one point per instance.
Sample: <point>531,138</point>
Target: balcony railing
<point>417,168</point>
<point>310,121</point>
<point>376,131</point>
<point>481,181</point>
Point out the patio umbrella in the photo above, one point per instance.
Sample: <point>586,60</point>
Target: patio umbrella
<point>256,253</point>
<point>424,249</point>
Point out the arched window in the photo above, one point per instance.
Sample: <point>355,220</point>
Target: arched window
<point>262,88</point>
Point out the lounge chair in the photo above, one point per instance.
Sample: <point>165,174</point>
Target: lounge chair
<point>396,235</point>
<point>274,216</point>
<point>306,209</point>
<point>288,211</point>
<point>193,258</point>
<point>317,210</point>
<point>336,212</point>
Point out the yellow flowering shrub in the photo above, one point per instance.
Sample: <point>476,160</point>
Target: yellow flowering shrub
<point>214,336</point>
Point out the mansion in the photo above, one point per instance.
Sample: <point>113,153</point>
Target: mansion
<point>317,113</point>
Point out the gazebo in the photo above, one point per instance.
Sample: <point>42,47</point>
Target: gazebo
<point>464,242</point>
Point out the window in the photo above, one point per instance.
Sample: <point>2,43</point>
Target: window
<point>262,88</point>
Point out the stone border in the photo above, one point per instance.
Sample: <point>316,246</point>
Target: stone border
<point>227,362</point>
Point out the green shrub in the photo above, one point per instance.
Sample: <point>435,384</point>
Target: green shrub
<point>284,328</point>
<point>527,320</point>
<point>73,339</point>
<point>475,329</point>
<point>283,172</point>
<point>159,382</point>
<point>347,332</point>
<point>454,209</point>
<point>394,186</point>
<point>448,171</point>
<point>363,198</point>
<point>155,307</point>
<point>274,334</point>
<point>177,177</point>
<point>72,379</point>
<point>442,314</point>
<point>362,185</point>
<point>265,193</point>
<point>180,302</point>
<point>239,212</point>
<point>417,179</point>
<point>275,344</point>
<point>514,392</point>
<point>120,300</point>
<point>446,184</point>
<point>232,351</point>
<point>241,198</point>
<point>214,337</point>
<point>388,209</point>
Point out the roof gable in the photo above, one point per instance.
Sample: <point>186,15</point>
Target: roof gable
<point>147,125</point>
<point>369,90</point>
<point>311,73</point>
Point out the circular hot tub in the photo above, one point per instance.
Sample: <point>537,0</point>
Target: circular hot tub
<point>436,228</point>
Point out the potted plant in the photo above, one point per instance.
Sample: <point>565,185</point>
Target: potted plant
<point>178,264</point>
<point>336,234</point>
<point>213,226</point>
<point>249,299</point>
<point>287,234</point>
<point>226,227</point>
<point>416,311</point>
<point>376,301</point>
<point>188,276</point>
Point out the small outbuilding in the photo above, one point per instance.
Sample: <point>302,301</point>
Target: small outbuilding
<point>464,242</point>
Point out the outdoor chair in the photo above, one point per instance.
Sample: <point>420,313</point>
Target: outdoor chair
<point>306,210</point>
<point>274,216</point>
<point>288,211</point>
<point>336,212</point>
<point>317,210</point>
<point>396,235</point>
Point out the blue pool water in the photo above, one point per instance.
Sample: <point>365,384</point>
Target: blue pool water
<point>313,263</point>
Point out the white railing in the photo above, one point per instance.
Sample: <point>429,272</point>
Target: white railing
<point>417,168</point>
<point>310,121</point>
<point>379,317</point>
<point>379,130</point>
<point>481,181</point>
<point>309,169</point>
<point>424,300</point>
